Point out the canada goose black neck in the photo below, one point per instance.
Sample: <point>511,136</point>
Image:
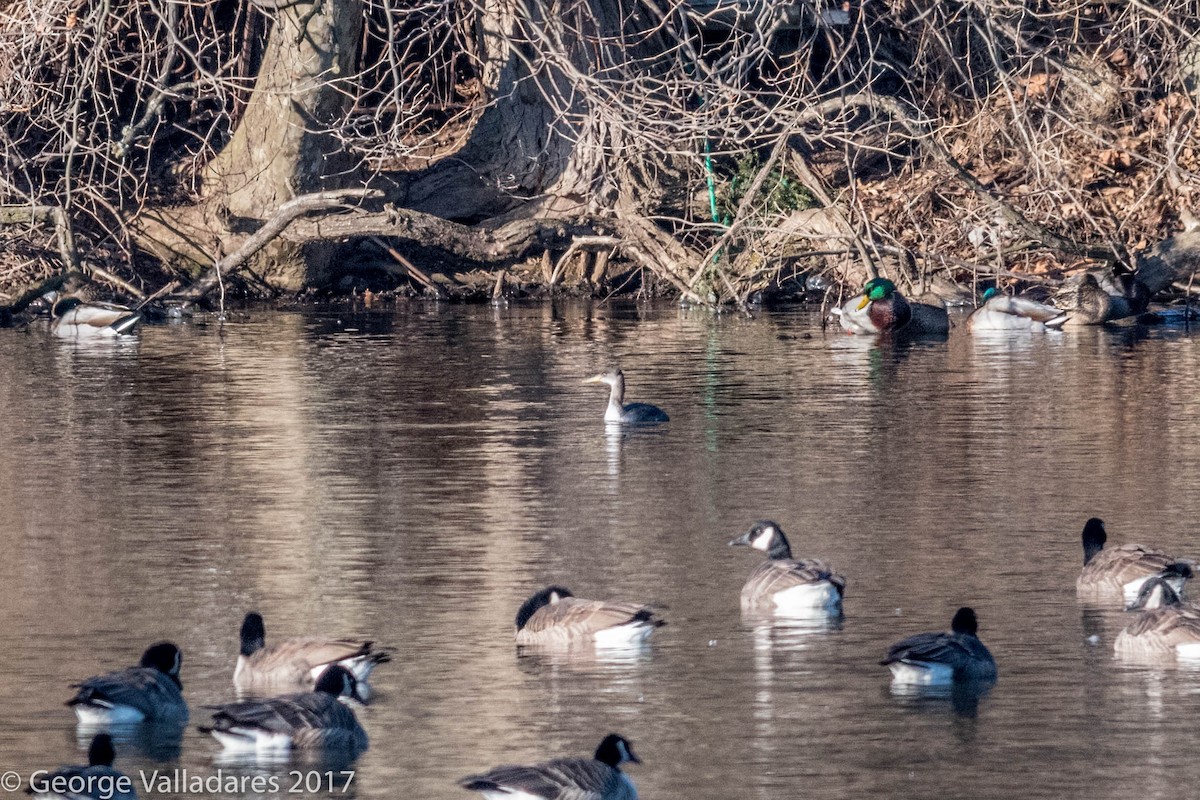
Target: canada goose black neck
<point>615,750</point>
<point>1155,593</point>
<point>254,634</point>
<point>768,537</point>
<point>965,622</point>
<point>547,596</point>
<point>101,753</point>
<point>780,549</point>
<point>164,657</point>
<point>336,680</point>
<point>1094,537</point>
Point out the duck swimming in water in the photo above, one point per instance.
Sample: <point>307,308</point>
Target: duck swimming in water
<point>618,410</point>
<point>882,309</point>
<point>1000,312</point>
<point>75,319</point>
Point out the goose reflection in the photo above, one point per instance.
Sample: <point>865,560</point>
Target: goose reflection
<point>157,741</point>
<point>962,697</point>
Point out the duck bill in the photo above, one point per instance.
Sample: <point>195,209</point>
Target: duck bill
<point>863,303</point>
<point>594,379</point>
<point>744,539</point>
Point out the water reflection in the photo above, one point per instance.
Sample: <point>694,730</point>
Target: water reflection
<point>157,741</point>
<point>961,697</point>
<point>413,471</point>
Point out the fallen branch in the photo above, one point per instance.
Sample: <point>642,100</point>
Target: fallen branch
<point>577,244</point>
<point>410,268</point>
<point>284,216</point>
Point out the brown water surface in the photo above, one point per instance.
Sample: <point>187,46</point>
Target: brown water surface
<point>412,476</point>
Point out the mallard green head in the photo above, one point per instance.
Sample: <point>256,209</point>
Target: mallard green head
<point>989,293</point>
<point>877,289</point>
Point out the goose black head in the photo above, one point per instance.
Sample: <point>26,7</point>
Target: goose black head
<point>615,750</point>
<point>254,634</point>
<point>1094,537</point>
<point>164,657</point>
<point>546,597</point>
<point>101,752</point>
<point>965,622</point>
<point>339,682</point>
<point>766,536</point>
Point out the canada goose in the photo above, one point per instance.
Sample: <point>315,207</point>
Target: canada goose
<point>882,309</point>
<point>786,584</point>
<point>618,410</point>
<point>75,319</point>
<point>939,659</point>
<point>97,780</point>
<point>1166,627</point>
<point>1123,570</point>
<point>1000,312</point>
<point>554,616</point>
<point>149,692</point>
<point>315,720</point>
<point>598,778</point>
<point>296,663</point>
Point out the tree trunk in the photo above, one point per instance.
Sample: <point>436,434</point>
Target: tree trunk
<point>538,149</point>
<point>281,148</point>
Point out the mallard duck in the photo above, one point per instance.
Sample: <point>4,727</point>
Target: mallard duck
<point>73,318</point>
<point>1100,296</point>
<point>784,584</point>
<point>315,720</point>
<point>1000,312</point>
<point>1166,628</point>
<point>1122,570</point>
<point>296,663</point>
<point>554,616</point>
<point>620,411</point>
<point>97,780</point>
<point>598,778</point>
<point>149,692</point>
<point>882,309</point>
<point>939,658</point>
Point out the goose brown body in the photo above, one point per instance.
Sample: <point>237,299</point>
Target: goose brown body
<point>1119,571</point>
<point>1161,631</point>
<point>296,662</point>
<point>554,616</point>
<point>786,584</point>
<point>315,720</point>
<point>598,778</point>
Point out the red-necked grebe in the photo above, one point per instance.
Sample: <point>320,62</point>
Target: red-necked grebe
<point>618,410</point>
